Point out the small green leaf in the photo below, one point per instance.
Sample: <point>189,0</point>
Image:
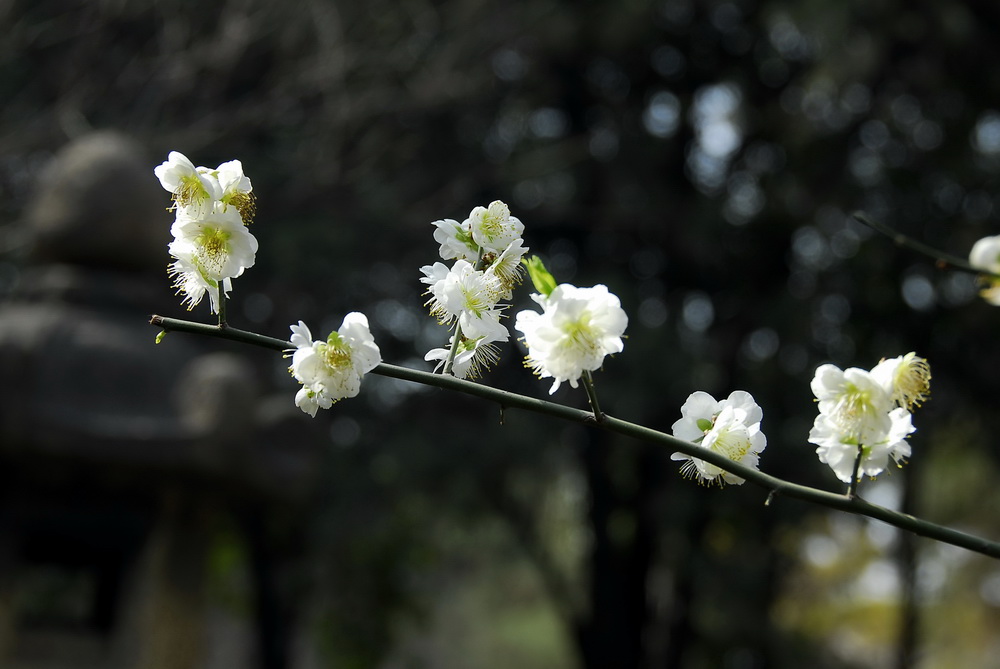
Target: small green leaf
<point>544,282</point>
<point>704,424</point>
<point>160,336</point>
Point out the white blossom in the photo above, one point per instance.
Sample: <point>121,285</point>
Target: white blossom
<point>507,267</point>
<point>332,370</point>
<point>487,250</point>
<point>465,294</point>
<point>907,379</point>
<point>854,400</point>
<point>237,191</point>
<point>301,336</point>
<point>217,244</point>
<point>859,417</point>
<point>191,187</point>
<point>493,228</point>
<point>456,240</point>
<point>577,328</point>
<point>211,244</point>
<point>191,282</point>
<point>483,324</point>
<point>473,357</point>
<point>985,255</point>
<point>232,179</point>
<point>839,448</point>
<point>730,427</point>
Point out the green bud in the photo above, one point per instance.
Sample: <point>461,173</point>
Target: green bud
<point>544,282</point>
<point>160,336</point>
<point>704,424</point>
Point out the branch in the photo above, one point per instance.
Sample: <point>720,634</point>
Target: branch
<point>941,259</point>
<point>505,399</point>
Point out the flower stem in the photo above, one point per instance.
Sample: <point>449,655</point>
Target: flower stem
<point>588,383</point>
<point>852,487</point>
<point>450,361</point>
<point>772,484</point>
<point>222,303</point>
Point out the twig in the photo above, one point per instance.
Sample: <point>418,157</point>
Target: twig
<point>177,325</point>
<point>941,259</point>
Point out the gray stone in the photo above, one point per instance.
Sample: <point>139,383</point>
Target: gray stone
<point>98,204</point>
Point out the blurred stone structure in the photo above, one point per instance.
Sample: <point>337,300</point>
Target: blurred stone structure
<point>122,461</point>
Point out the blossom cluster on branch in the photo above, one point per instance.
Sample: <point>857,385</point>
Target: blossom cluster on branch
<point>730,427</point>
<point>576,330</point>
<point>211,245</point>
<point>331,370</point>
<point>864,415</point>
<point>487,250</point>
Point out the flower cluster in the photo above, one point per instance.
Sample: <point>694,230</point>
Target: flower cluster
<point>487,249</point>
<point>330,371</point>
<point>985,255</point>
<point>577,328</point>
<point>864,416</point>
<point>211,245</point>
<point>729,427</point>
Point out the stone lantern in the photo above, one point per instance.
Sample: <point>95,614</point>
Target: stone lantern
<point>120,459</point>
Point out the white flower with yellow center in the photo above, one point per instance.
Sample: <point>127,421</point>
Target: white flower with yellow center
<point>730,427</point>
<point>473,357</point>
<point>985,255</point>
<point>330,371</point>
<point>907,379</point>
<point>237,191</point>
<point>577,328</point>
<point>465,294</point>
<point>194,285</point>
<point>840,449</point>
<point>854,401</point>
<point>192,188</point>
<point>456,240</point>
<point>218,244</point>
<point>858,417</point>
<point>508,267</point>
<point>493,228</point>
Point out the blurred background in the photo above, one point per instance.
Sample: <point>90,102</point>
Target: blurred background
<point>168,506</point>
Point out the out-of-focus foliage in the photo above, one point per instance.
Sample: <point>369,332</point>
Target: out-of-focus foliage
<point>700,159</point>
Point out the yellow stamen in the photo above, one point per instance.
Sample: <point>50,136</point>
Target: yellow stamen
<point>912,381</point>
